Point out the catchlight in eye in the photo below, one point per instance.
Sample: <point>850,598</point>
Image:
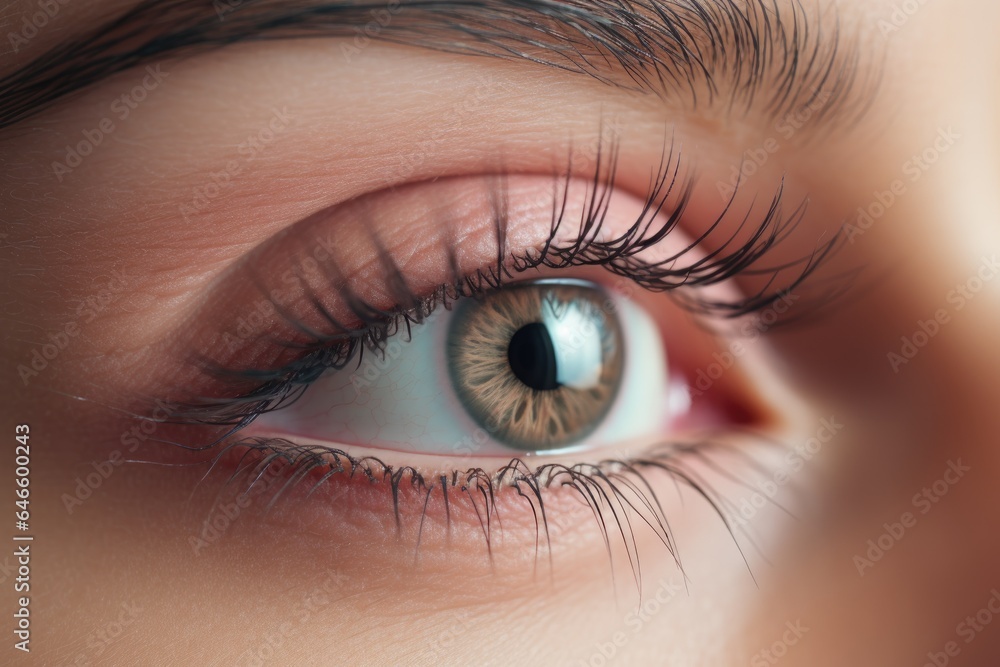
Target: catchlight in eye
<point>534,367</point>
<point>538,364</point>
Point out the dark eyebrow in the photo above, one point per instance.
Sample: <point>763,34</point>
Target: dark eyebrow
<point>704,51</point>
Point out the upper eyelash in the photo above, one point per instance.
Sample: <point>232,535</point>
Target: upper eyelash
<point>277,387</point>
<point>611,488</point>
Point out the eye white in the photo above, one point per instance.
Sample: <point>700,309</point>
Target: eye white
<point>402,399</point>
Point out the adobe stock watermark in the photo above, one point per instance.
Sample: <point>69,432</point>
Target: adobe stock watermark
<point>121,108</point>
<point>313,601</point>
<point>363,35</point>
<point>794,461</point>
<point>223,7</point>
<point>958,298</point>
<point>747,333</point>
<point>375,363</point>
<point>34,22</point>
<point>86,312</point>
<point>224,514</point>
<point>481,98</point>
<point>248,151</point>
<point>754,159</point>
<point>130,440</point>
<point>967,630</point>
<point>899,16</point>
<point>445,639</point>
<point>605,652</point>
<point>772,655</point>
<point>923,502</point>
<point>912,171</point>
<point>99,640</point>
<point>304,272</point>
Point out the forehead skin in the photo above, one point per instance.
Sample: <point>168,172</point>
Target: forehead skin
<point>339,129</point>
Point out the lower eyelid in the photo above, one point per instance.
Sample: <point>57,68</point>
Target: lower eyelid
<point>332,480</point>
<point>470,511</point>
<point>425,214</point>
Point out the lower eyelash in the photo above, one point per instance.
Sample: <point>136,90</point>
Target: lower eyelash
<point>617,491</point>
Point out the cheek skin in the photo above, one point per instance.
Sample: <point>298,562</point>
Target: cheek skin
<point>283,563</point>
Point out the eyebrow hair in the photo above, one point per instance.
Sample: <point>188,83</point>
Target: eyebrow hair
<point>705,51</point>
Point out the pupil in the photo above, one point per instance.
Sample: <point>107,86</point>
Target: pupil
<point>532,357</point>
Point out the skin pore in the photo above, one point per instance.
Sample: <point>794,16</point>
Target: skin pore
<point>877,548</point>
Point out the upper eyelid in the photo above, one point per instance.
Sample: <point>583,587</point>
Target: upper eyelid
<point>375,324</point>
<point>751,56</point>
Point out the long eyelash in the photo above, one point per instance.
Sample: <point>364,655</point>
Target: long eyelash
<point>617,491</point>
<point>335,350</point>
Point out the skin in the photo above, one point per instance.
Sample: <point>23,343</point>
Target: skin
<point>117,581</point>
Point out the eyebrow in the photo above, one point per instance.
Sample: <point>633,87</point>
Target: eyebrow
<point>742,54</point>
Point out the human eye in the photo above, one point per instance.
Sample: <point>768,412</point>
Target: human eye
<point>539,366</point>
<point>498,332</point>
<point>488,335</point>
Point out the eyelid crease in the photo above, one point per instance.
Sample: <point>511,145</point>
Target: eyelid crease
<point>263,388</point>
<point>611,490</point>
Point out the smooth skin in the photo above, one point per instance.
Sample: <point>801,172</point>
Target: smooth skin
<point>906,455</point>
